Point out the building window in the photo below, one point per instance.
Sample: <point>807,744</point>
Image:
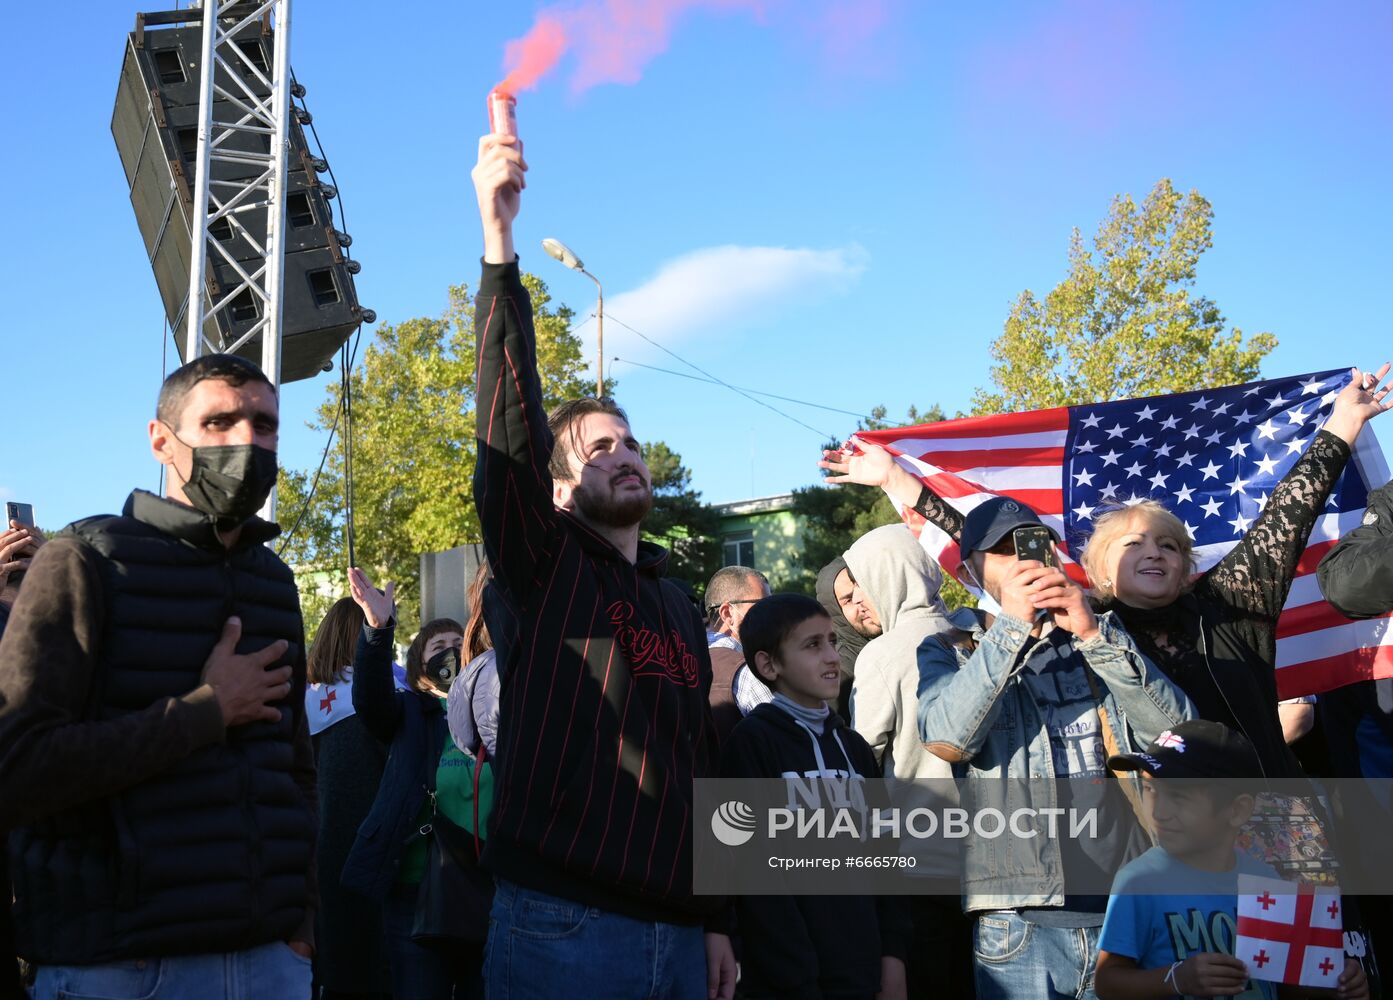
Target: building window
<point>739,550</point>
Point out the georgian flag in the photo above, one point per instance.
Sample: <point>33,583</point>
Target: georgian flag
<point>1212,457</point>
<point>326,704</point>
<point>1290,932</point>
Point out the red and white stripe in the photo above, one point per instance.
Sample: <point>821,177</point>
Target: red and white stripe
<point>968,461</point>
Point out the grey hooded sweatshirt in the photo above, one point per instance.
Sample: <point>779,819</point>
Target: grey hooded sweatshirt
<point>902,582</point>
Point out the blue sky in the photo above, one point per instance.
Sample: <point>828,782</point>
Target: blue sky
<point>826,200</point>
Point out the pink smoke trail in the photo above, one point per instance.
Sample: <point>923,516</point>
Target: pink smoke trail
<point>612,40</point>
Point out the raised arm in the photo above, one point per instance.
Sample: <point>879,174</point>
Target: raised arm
<point>1256,574</point>
<point>375,697</point>
<point>512,486</point>
<point>871,465</point>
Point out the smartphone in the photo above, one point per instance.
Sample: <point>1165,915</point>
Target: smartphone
<point>21,512</point>
<point>1036,542</point>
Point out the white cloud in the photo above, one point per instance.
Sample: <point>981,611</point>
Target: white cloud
<point>715,288</point>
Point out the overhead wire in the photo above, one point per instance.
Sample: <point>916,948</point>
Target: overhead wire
<point>285,540</point>
<point>757,392</point>
<point>346,395</point>
<point>824,435</point>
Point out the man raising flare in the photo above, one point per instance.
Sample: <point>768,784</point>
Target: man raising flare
<point>604,716</point>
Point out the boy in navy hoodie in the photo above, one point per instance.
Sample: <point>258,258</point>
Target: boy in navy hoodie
<point>807,946</point>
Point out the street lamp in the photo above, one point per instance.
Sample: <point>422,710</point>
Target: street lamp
<point>567,256</point>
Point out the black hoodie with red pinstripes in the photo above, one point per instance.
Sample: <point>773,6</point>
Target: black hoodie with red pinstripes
<point>604,718</point>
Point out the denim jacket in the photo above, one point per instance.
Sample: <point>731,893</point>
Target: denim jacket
<point>979,715</point>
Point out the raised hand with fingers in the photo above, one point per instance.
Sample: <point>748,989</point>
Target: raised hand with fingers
<point>244,687</point>
<point>868,464</point>
<point>858,462</point>
<point>1359,402</point>
<point>378,605</point>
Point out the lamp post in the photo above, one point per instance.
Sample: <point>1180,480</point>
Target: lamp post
<point>567,256</point>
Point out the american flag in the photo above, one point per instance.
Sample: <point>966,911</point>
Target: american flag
<point>1212,457</point>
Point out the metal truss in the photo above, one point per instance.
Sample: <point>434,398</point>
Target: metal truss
<point>262,190</point>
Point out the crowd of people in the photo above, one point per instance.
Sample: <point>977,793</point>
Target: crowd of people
<point>196,805</point>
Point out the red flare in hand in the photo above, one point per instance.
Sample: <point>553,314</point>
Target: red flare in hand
<point>503,112</point>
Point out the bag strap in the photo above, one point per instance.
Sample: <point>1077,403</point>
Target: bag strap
<point>480,759</point>
<point>1128,785</point>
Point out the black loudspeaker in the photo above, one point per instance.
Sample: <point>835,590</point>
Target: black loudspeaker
<point>155,125</point>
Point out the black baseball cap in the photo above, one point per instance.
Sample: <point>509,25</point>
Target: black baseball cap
<point>1194,749</point>
<point>990,521</point>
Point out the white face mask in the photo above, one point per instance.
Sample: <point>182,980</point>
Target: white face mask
<point>985,601</point>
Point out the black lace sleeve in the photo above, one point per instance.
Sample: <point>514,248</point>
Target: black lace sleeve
<point>1256,575</point>
<point>934,509</point>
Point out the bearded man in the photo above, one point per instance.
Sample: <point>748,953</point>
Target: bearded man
<point>604,720</point>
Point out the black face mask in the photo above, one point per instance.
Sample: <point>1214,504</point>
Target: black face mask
<point>443,668</point>
<point>230,482</point>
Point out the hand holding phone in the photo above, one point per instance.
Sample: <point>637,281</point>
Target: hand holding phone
<point>17,544</point>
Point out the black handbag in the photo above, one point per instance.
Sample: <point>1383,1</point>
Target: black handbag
<point>456,894</point>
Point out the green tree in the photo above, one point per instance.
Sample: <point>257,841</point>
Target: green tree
<point>879,422</point>
<point>832,518</point>
<point>1124,322</point>
<point>413,397</point>
<point>679,521</point>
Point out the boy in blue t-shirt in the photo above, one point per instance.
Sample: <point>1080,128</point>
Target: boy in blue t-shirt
<point>1172,920</point>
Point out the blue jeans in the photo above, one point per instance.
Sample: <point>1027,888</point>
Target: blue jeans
<point>541,947</point>
<point>419,972</point>
<point>1016,958</point>
<point>270,970</point>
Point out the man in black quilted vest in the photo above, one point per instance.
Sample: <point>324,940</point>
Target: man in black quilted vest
<point>155,765</point>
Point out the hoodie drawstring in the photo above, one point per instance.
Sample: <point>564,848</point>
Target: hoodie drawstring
<point>850,767</point>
